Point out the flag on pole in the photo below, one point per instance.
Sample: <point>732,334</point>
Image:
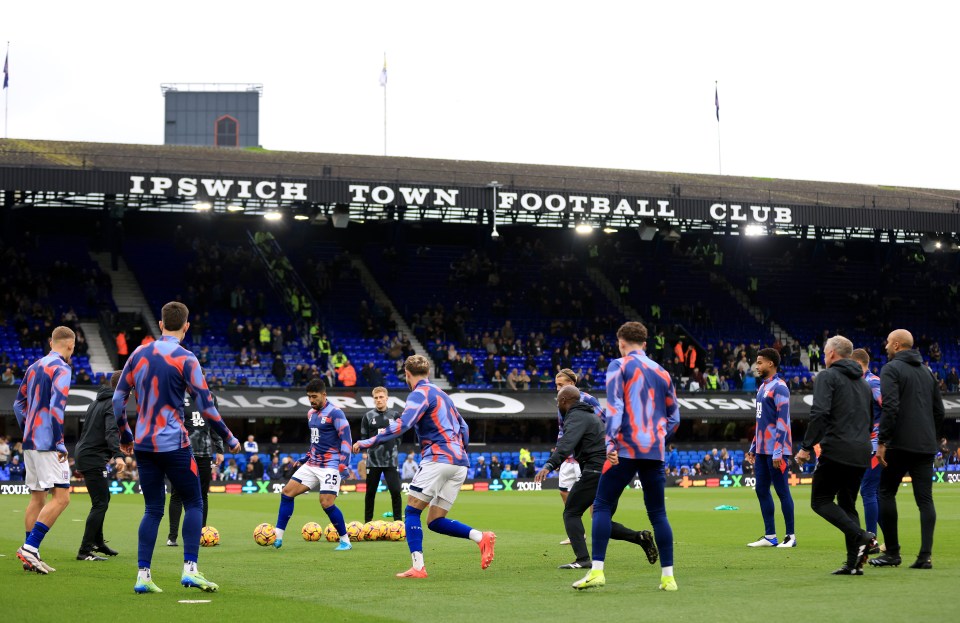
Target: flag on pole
<point>383,73</point>
<point>6,70</point>
<point>716,100</point>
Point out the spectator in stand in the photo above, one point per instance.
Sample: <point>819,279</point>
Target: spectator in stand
<point>4,451</point>
<point>123,351</point>
<point>498,381</point>
<point>813,352</point>
<point>204,356</point>
<point>507,333</point>
<point>953,380</point>
<point>273,448</point>
<point>252,473</point>
<point>300,375</point>
<point>513,379</point>
<point>347,375</point>
<point>279,369</point>
<point>679,352</point>
<point>544,379</point>
<point>7,378</point>
<point>289,467</point>
<point>275,469</point>
<point>508,473</point>
<point>496,469</point>
<point>232,473</point>
<point>250,447</point>
<point>16,468</point>
<point>339,359</point>
<point>480,469</point>
<point>243,358</point>
<point>526,463</point>
<point>489,368</point>
<point>254,358</point>
<point>708,466</point>
<point>409,469</point>
<point>690,359</point>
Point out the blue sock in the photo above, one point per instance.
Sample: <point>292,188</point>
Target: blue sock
<point>336,517</point>
<point>26,537</point>
<point>192,520</point>
<point>450,527</point>
<point>414,530</point>
<point>286,511</point>
<point>36,535</point>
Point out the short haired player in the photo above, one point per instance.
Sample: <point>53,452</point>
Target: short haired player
<point>443,437</point>
<point>323,466</point>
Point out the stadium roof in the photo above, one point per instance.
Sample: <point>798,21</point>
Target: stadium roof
<point>527,193</point>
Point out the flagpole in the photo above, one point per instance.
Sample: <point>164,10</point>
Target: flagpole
<point>384,107</point>
<point>6,90</point>
<point>716,96</point>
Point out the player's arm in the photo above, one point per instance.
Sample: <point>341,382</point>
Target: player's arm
<point>120,396</point>
<point>672,408</point>
<point>415,408</point>
<point>574,428</point>
<point>464,430</point>
<point>938,410</point>
<point>203,399</point>
<point>20,404</point>
<point>58,404</point>
<point>364,426</point>
<point>781,400</point>
<point>890,392</point>
<point>346,441</point>
<point>614,405</point>
<point>819,412</point>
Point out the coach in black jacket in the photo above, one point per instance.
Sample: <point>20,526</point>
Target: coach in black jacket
<point>910,425</point>
<point>99,443</point>
<point>840,421</point>
<point>584,438</point>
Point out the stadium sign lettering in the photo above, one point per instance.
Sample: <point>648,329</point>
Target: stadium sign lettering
<point>384,195</point>
<point>218,188</point>
<point>581,204</point>
<point>14,490</point>
<point>759,214</point>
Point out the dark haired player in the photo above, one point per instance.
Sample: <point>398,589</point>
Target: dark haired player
<point>771,449</point>
<point>323,466</point>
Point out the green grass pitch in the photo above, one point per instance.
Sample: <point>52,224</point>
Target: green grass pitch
<point>719,578</point>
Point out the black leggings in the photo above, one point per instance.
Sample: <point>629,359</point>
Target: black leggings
<point>392,477</point>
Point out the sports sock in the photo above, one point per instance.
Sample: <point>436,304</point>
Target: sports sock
<point>476,536</point>
<point>667,571</point>
<point>283,516</point>
<point>26,537</point>
<point>336,518</point>
<point>190,566</point>
<point>414,529</point>
<point>36,535</point>
<point>279,532</point>
<point>449,527</point>
<point>144,574</point>
<point>597,564</point>
<point>770,537</point>
<point>417,560</point>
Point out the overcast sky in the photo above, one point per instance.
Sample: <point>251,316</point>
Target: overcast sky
<point>835,91</point>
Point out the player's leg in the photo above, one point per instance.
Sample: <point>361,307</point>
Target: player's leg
<point>99,492</point>
<point>411,520</point>
<point>850,479</point>
<point>175,509</point>
<point>443,489</point>
<point>34,506</point>
<point>763,471</point>
<point>44,471</point>
<point>890,479</point>
<point>781,484</point>
<point>921,472</point>
<point>392,477</point>
<point>304,479</point>
<point>868,493</point>
<point>205,466</point>
<point>580,498</point>
<point>643,538</point>
<point>154,496</point>
<point>329,490</point>
<point>567,476</point>
<point>653,480</point>
<point>184,474</point>
<point>373,481</point>
<point>609,488</point>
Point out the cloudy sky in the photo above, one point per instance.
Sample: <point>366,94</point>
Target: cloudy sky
<point>836,91</point>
